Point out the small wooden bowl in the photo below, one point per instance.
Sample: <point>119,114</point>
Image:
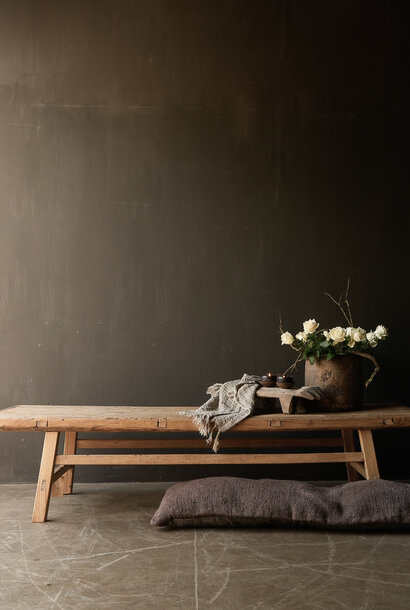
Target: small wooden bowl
<point>268,383</point>
<point>284,382</point>
<point>268,380</point>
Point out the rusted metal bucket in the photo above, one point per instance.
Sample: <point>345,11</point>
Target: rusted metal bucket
<point>340,379</point>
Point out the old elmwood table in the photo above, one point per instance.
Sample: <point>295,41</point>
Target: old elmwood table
<point>56,470</point>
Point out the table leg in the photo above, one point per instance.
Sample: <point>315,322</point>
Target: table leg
<point>286,403</point>
<point>42,499</point>
<point>64,485</point>
<point>350,445</point>
<point>370,460</point>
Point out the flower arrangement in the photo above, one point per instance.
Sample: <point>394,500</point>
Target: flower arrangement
<point>313,343</point>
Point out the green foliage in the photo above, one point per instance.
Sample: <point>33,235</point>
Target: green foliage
<point>317,345</point>
<point>312,343</point>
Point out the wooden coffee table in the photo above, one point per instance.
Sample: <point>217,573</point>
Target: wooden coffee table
<point>56,470</point>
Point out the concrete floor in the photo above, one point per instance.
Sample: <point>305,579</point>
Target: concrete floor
<point>99,551</point>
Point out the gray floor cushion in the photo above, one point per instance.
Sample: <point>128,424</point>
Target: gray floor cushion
<point>231,501</point>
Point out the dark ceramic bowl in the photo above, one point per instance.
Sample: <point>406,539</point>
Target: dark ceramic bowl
<point>284,382</point>
<point>285,385</point>
<point>268,382</point>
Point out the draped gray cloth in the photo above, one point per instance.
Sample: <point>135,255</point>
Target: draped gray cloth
<point>230,403</point>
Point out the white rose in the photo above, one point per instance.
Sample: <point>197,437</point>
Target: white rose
<point>326,334</point>
<point>302,336</point>
<point>349,332</point>
<point>372,339</point>
<point>358,334</point>
<point>287,338</point>
<point>381,332</point>
<point>310,326</point>
<point>337,334</point>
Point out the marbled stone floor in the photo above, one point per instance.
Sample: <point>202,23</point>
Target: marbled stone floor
<point>99,551</point>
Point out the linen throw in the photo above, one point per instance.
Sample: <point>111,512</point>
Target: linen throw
<point>230,403</point>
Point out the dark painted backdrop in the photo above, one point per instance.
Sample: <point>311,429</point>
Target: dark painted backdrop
<point>173,174</point>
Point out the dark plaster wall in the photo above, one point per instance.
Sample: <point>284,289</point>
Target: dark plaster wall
<point>174,173</point>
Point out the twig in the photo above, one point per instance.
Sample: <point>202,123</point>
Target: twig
<point>293,366</point>
<point>280,322</point>
<point>340,307</point>
<point>376,365</point>
<point>347,301</point>
<point>345,297</point>
<point>299,358</point>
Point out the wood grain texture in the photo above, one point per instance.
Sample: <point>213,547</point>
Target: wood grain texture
<point>350,445</point>
<point>70,445</point>
<point>45,476</point>
<point>163,419</point>
<point>310,393</point>
<point>214,458</point>
<point>289,399</point>
<point>58,473</point>
<point>359,469</point>
<point>340,379</point>
<point>370,461</point>
<point>228,443</point>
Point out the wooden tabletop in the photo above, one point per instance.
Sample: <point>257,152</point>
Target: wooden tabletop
<point>54,418</point>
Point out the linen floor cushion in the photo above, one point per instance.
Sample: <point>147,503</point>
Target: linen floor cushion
<point>232,501</point>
